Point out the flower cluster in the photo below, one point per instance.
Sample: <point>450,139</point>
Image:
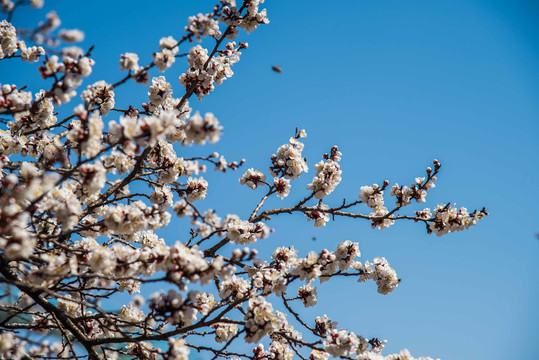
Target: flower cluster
<point>200,130</point>
<point>129,61</point>
<point>173,308</point>
<point>328,174</point>
<point>12,347</point>
<point>203,25</point>
<point>196,189</point>
<point>244,232</point>
<point>235,287</point>
<point>8,39</point>
<point>14,100</point>
<point>137,216</point>
<point>205,71</point>
<point>260,319</point>
<point>373,197</point>
<point>71,35</point>
<point>447,218</point>
<point>307,294</point>
<point>99,95</point>
<point>252,178</point>
<point>250,21</point>
<point>418,190</point>
<point>187,264</point>
<point>143,131</point>
<point>341,342</point>
<point>282,187</point>
<point>178,350</point>
<point>224,331</point>
<point>320,217</point>
<point>74,69</point>
<point>9,44</point>
<point>289,162</point>
<point>164,58</point>
<point>267,278</point>
<point>384,275</point>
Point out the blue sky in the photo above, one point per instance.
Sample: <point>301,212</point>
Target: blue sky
<point>394,84</point>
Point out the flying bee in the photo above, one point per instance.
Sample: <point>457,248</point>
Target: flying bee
<point>277,69</point>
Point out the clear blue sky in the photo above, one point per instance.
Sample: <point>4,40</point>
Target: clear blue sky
<point>394,84</point>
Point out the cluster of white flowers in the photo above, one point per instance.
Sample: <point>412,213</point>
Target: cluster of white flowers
<point>9,45</point>
<point>447,218</point>
<point>88,133</point>
<point>236,287</point>
<point>182,209</point>
<point>252,178</point>
<point>405,355</point>
<point>71,35</point>
<point>119,162</point>
<point>74,70</point>
<point>373,197</point>
<point>162,197</point>
<point>384,275</point>
<point>14,100</point>
<point>345,254</point>
<point>131,314</point>
<point>321,265</point>
<point>43,114</point>
<point>188,264</point>
<point>100,95</point>
<point>137,216</point>
<point>341,342</point>
<point>244,232</point>
<point>8,39</point>
<point>285,257</point>
<point>418,190</point>
<point>144,131</point>
<point>260,319</point>
<point>196,189</point>
<point>178,350</point>
<point>30,54</point>
<point>267,279</point>
<point>163,157</point>
<point>323,325</point>
<point>203,25</point>
<point>140,349</point>
<point>249,22</point>
<point>320,217</point>
<point>200,130</point>
<point>224,331</point>
<point>328,174</point>
<point>160,95</point>
<point>164,58</point>
<point>11,347</point>
<point>289,162</point>
<point>129,62</point>
<point>173,308</point>
<point>280,351</point>
<point>64,204</point>
<point>204,302</point>
<point>282,187</point>
<point>307,294</point>
<point>204,71</point>
<point>318,355</point>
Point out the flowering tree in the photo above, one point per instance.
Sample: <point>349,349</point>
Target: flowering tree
<point>77,228</point>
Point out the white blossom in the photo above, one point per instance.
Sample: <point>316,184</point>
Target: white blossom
<point>252,178</point>
<point>129,61</point>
